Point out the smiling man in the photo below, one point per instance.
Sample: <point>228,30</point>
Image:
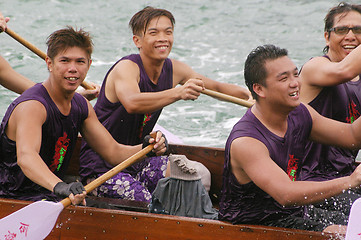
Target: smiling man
<point>40,128</point>
<point>133,94</point>
<point>265,149</point>
<point>18,83</point>
<point>331,85</point>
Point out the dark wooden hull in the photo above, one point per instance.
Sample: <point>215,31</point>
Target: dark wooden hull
<point>93,223</point>
<point>135,223</point>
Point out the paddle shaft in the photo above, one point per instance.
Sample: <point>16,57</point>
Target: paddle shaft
<point>37,51</point>
<point>112,172</point>
<point>227,98</point>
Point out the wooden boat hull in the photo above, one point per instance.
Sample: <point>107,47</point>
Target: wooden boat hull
<point>93,223</point>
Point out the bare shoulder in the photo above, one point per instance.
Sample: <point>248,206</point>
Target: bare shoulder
<point>30,108</point>
<point>27,116</point>
<point>314,62</point>
<point>181,72</point>
<point>177,63</point>
<point>312,66</point>
<point>124,73</point>
<point>313,78</point>
<point>179,66</point>
<point>313,113</point>
<point>123,69</point>
<point>247,157</point>
<point>29,112</point>
<point>245,148</point>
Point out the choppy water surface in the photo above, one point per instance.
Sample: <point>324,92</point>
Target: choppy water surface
<point>214,37</point>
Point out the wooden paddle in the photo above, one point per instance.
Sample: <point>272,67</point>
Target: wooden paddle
<point>228,98</point>
<point>36,220</point>
<point>353,231</point>
<point>37,51</point>
<point>86,85</point>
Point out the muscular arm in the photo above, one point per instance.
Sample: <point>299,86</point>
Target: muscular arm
<point>25,127</point>
<point>102,142</point>
<point>182,73</point>
<point>268,176</point>
<point>331,132</point>
<point>122,85</point>
<point>11,79</point>
<point>320,72</point>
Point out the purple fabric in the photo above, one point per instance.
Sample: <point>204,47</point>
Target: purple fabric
<point>137,187</point>
<point>247,203</point>
<point>125,128</point>
<point>322,162</point>
<point>59,135</point>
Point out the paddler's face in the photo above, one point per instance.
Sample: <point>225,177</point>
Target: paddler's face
<point>69,67</point>
<point>341,44</point>
<point>157,41</point>
<point>282,83</point>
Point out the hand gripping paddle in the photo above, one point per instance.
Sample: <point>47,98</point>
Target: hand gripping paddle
<point>36,220</point>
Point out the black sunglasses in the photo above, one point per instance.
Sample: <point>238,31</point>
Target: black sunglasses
<point>345,30</point>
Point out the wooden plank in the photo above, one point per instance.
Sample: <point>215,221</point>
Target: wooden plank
<point>92,223</point>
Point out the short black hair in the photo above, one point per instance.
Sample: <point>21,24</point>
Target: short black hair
<point>140,21</point>
<point>341,8</point>
<point>254,68</point>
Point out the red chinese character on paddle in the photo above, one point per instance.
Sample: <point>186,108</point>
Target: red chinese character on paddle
<point>24,228</point>
<point>10,236</point>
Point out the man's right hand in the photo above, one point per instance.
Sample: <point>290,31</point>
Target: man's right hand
<point>356,178</point>
<point>3,21</point>
<point>75,191</point>
<point>160,147</point>
<point>192,89</point>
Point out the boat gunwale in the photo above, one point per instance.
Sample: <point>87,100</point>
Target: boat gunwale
<point>76,222</point>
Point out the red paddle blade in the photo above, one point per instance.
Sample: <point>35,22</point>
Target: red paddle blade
<point>354,222</point>
<point>34,221</point>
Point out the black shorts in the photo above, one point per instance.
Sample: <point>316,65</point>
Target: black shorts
<point>316,217</point>
<point>334,210</point>
<point>297,222</point>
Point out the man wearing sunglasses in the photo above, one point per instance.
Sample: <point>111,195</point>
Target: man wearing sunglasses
<point>331,85</point>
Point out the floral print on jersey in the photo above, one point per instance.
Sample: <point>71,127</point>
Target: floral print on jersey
<point>292,167</point>
<point>352,112</point>
<point>61,147</point>
<point>146,119</point>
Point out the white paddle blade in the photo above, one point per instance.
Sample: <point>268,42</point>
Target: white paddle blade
<point>353,231</point>
<point>34,221</point>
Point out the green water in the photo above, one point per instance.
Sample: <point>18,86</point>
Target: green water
<point>214,37</point>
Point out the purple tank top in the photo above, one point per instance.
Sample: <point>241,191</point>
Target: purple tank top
<point>247,203</point>
<point>125,128</point>
<point>59,135</point>
<point>323,162</point>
